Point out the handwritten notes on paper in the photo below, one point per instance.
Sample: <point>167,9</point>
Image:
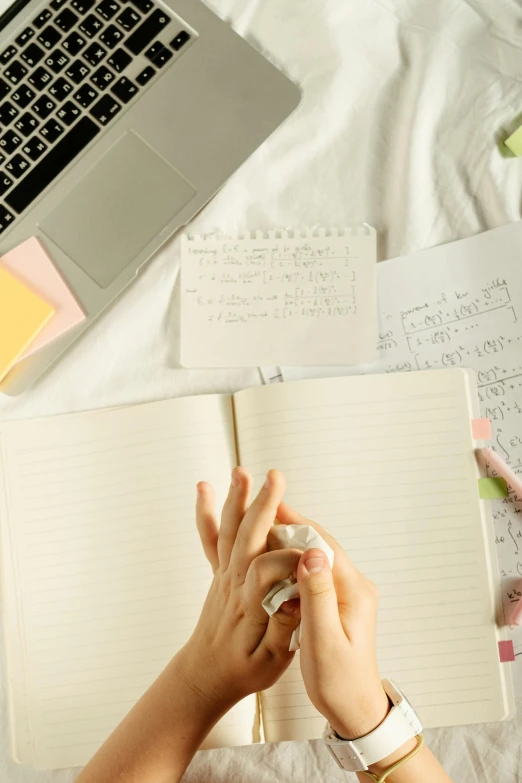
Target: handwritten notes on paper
<point>285,298</point>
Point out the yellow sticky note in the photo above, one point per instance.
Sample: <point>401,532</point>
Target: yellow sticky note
<point>514,142</point>
<point>490,488</point>
<point>22,316</point>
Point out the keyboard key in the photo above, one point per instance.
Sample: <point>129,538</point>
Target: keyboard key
<point>66,19</point>
<point>42,18</point>
<point>24,36</point>
<point>77,71</point>
<point>91,26</point>
<point>82,6</point>
<point>7,55</point>
<point>154,50</point>
<point>56,160</point>
<point>40,78</point>
<point>49,37</point>
<point>17,166</point>
<point>60,89</point>
<point>105,109</point>
<point>128,18</point>
<point>94,54</point>
<point>56,4</point>
<point>147,30</point>
<point>34,148</point>
<point>7,113</point>
<point>111,36</point>
<point>51,131</point>
<point>43,107</point>
<point>73,44</point>
<point>143,5</point>
<point>33,54</point>
<point>15,72</point>
<point>119,60</point>
<point>102,77</point>
<point>68,113</point>
<point>57,61</point>
<point>124,89</point>
<point>23,96</point>
<point>85,95</point>
<point>26,124</point>
<point>108,8</point>
<point>10,141</point>
<point>146,75</point>
<point>5,183</point>
<point>162,57</point>
<point>4,89</point>
<point>180,40</point>
<point>5,218</point>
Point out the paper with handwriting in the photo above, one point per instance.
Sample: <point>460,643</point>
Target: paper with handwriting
<point>460,304</point>
<point>285,297</point>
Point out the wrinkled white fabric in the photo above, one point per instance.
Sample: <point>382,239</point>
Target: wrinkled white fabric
<point>301,537</point>
<point>404,105</point>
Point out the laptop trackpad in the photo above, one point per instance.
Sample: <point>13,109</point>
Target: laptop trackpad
<point>117,209</point>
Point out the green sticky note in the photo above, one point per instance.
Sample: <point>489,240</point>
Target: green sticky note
<point>514,142</point>
<point>492,488</point>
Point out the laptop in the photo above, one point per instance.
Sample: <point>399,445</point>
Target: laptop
<point>119,120</point>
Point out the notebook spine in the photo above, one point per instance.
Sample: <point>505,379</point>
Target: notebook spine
<point>319,232</point>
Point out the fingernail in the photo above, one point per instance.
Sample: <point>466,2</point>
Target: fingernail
<point>235,479</point>
<point>314,564</point>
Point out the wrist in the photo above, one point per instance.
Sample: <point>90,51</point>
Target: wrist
<point>208,701</point>
<point>370,712</point>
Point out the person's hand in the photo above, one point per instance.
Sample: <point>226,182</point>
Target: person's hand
<point>338,655</point>
<point>236,649</point>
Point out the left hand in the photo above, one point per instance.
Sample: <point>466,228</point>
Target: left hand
<point>236,648</point>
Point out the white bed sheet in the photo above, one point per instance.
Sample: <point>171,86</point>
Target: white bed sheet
<point>404,105</point>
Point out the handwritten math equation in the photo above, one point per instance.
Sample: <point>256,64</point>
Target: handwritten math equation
<point>276,282</point>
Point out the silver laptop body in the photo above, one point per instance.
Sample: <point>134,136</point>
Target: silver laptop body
<point>181,125</point>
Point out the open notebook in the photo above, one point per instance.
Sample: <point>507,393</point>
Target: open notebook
<point>103,574</point>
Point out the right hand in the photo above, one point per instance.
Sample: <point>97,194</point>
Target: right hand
<point>338,653</point>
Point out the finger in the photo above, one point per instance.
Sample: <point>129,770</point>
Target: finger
<point>233,512</point>
<point>319,611</point>
<point>264,571</point>
<point>346,576</point>
<point>207,523</point>
<point>253,530</point>
<point>276,640</point>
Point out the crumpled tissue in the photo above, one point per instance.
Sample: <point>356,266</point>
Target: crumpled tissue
<point>301,537</point>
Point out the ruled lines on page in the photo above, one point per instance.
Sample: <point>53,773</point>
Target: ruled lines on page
<point>108,565</point>
<point>386,464</point>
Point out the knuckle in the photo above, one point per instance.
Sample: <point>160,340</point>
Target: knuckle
<point>319,588</point>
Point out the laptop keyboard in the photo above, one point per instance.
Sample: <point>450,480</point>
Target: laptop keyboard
<point>65,77</point>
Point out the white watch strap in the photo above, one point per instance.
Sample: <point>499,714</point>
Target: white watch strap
<point>400,725</point>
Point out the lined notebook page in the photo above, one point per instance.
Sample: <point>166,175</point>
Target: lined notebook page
<point>386,464</point>
<point>107,561</point>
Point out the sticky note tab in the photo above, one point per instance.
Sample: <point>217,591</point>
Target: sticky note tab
<point>506,651</point>
<point>514,142</point>
<point>490,488</point>
<point>481,429</point>
<point>22,316</point>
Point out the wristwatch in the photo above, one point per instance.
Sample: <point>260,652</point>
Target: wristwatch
<point>400,725</point>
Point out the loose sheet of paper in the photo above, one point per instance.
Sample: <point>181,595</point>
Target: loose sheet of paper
<point>99,514</point>
<point>461,305</point>
<point>386,464</point>
<point>300,299</point>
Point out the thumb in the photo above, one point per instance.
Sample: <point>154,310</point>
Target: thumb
<point>319,610</point>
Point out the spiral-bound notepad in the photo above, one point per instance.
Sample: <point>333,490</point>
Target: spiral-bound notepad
<point>284,297</point>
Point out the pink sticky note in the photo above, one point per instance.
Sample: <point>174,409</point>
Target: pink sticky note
<point>506,651</point>
<point>481,429</point>
<point>32,266</point>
